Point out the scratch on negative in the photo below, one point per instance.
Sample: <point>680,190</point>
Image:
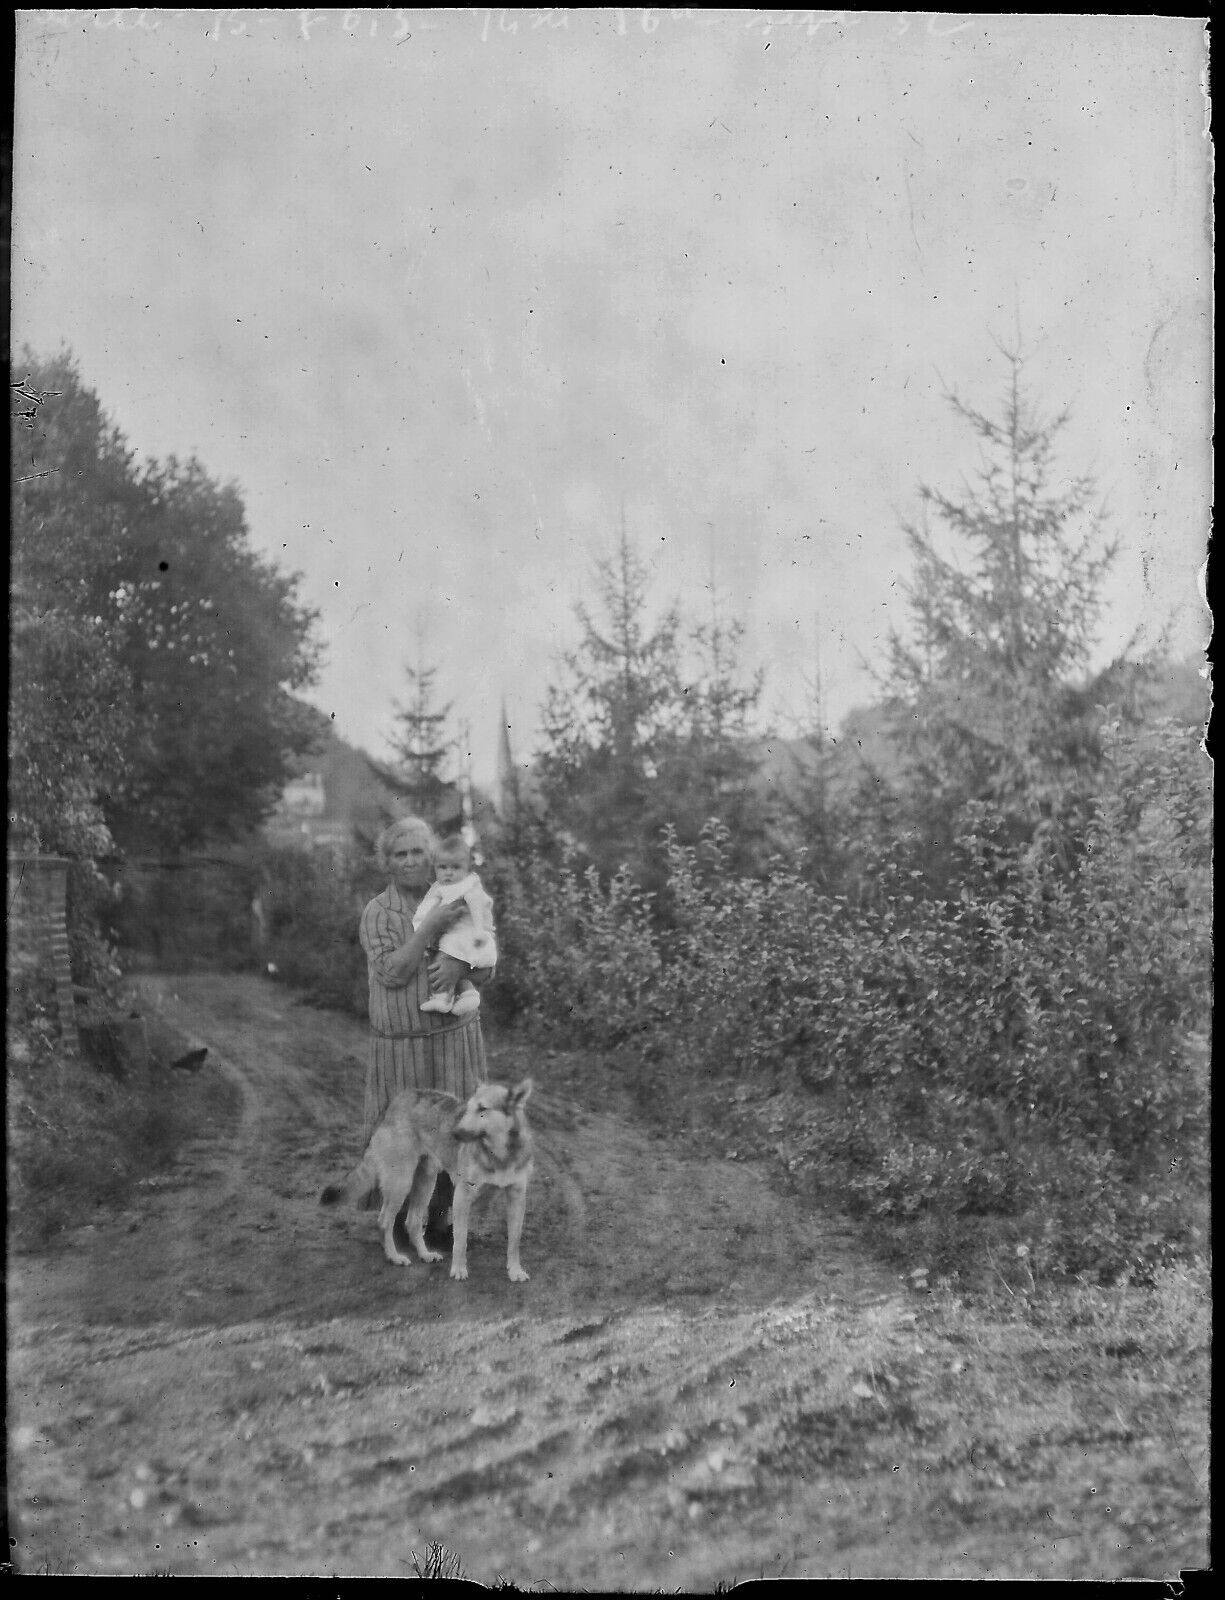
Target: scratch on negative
<point>910,208</point>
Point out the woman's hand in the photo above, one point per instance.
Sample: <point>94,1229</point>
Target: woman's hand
<point>441,918</point>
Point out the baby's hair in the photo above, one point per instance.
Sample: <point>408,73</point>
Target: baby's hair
<point>454,847</point>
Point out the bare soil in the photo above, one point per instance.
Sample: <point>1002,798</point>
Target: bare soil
<point>706,1380</point>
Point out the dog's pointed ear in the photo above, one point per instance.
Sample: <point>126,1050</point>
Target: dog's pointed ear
<point>519,1094</point>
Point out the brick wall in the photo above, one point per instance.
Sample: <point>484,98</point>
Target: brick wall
<point>38,931</point>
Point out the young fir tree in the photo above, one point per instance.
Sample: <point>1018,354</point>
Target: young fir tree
<point>419,740</point>
<point>609,724</point>
<point>810,810</point>
<point>991,697</point>
<point>712,764</point>
<point>634,744</point>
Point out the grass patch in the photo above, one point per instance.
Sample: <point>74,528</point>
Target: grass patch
<point>1059,1434</point>
<point>1067,1219</point>
<point>80,1139</point>
<point>1091,1407</point>
<point>1060,1417</point>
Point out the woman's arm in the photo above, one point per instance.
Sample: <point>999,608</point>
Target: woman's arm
<point>433,898</point>
<point>393,960</point>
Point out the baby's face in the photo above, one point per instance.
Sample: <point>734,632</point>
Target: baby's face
<point>450,871</point>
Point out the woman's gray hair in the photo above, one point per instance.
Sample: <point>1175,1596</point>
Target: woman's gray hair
<point>415,827</point>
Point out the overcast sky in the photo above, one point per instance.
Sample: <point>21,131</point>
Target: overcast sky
<point>442,290</point>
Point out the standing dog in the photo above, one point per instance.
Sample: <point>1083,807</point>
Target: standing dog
<point>484,1142</point>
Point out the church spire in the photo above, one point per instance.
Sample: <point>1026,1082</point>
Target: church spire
<point>508,778</point>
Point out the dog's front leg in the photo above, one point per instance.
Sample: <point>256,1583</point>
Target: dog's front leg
<point>516,1205</point>
<point>461,1206</point>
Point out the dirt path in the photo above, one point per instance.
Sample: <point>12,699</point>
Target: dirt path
<point>702,1381</point>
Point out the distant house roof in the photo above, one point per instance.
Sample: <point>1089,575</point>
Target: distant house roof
<point>337,794</point>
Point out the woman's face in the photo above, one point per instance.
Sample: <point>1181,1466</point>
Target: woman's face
<point>409,857</point>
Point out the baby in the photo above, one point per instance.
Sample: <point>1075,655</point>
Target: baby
<point>466,952</point>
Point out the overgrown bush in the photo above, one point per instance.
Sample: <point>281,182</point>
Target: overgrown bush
<point>184,912</point>
<point>579,958</point>
<point>315,904</point>
<point>1023,1044</point>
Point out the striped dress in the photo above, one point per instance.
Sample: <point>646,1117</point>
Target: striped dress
<point>409,1050</point>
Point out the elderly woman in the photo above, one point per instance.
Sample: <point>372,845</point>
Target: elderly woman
<point>409,1049</point>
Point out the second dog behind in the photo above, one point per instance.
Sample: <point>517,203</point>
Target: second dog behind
<point>486,1141</point>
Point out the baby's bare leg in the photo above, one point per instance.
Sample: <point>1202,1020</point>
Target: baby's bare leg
<point>446,972</point>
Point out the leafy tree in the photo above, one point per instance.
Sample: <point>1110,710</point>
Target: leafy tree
<point>69,695</point>
<point>217,647</point>
<point>68,723</point>
<point>991,699</point>
<point>196,644</point>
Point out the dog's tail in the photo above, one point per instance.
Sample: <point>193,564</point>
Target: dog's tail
<point>363,1180</point>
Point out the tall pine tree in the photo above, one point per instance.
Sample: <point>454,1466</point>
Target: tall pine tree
<point>992,697</point>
